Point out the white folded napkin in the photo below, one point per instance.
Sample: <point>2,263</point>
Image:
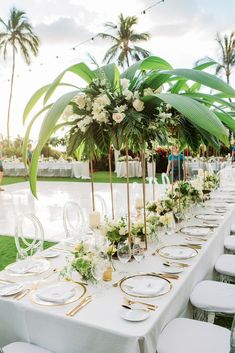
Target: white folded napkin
<point>27,266</point>
<point>178,252</point>
<point>57,293</point>
<point>10,288</point>
<point>146,286</point>
<point>198,231</point>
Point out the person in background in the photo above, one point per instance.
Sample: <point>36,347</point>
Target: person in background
<point>179,165</point>
<point>1,168</point>
<point>29,157</point>
<point>233,154</point>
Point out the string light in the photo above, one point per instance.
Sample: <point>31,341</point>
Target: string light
<point>143,12</point>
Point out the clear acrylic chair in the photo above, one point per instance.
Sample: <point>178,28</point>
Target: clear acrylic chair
<point>165,181</point>
<point>73,220</point>
<point>101,206</point>
<point>29,235</point>
<point>191,336</point>
<point>22,347</point>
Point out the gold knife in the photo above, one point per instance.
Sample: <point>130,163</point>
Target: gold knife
<point>69,313</point>
<point>80,307</point>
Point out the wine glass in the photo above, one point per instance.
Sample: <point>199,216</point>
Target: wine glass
<point>178,216</point>
<point>97,271</point>
<point>138,251</point>
<point>124,252</point>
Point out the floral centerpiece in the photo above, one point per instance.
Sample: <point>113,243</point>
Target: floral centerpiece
<point>84,261</point>
<point>211,182</point>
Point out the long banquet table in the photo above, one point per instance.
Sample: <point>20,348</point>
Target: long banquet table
<point>98,327</point>
<point>77,169</point>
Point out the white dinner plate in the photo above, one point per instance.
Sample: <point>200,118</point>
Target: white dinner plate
<point>50,253</point>
<point>9,288</point>
<point>28,267</point>
<point>195,230</point>
<point>209,217</point>
<point>172,269</point>
<point>58,293</point>
<point>177,252</point>
<point>145,285</point>
<point>134,315</point>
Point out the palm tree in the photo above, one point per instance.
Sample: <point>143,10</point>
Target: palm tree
<point>17,34</point>
<point>227,54</point>
<point>123,37</point>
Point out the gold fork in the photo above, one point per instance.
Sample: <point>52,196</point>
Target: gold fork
<point>149,306</point>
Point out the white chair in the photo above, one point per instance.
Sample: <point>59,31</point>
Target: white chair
<point>232,229</point>
<point>192,336</point>
<point>22,347</point>
<point>165,181</point>
<point>211,297</point>
<point>73,220</point>
<point>29,235</point>
<point>100,205</point>
<point>225,266</point>
<point>229,243</point>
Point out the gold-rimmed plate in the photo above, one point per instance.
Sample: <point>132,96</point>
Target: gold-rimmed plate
<point>209,216</point>
<point>195,230</point>
<point>177,252</point>
<point>145,285</point>
<point>8,288</point>
<point>28,267</point>
<point>58,293</point>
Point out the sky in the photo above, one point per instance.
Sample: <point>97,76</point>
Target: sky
<point>182,31</point>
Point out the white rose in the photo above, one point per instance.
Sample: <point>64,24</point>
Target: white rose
<point>148,92</point>
<point>168,106</point>
<point>103,100</point>
<point>124,83</point>
<point>80,100</point>
<point>128,94</point>
<point>118,117</point>
<point>138,105</point>
<point>101,117</point>
<point>122,231</point>
<point>136,95</point>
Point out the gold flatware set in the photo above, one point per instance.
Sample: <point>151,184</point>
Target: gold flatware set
<point>78,307</point>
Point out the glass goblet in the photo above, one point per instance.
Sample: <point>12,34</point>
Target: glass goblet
<point>138,252</point>
<point>124,252</point>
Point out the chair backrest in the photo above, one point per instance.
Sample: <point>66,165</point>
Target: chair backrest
<point>101,205</point>
<point>232,337</point>
<point>73,219</point>
<point>165,181</point>
<point>28,244</point>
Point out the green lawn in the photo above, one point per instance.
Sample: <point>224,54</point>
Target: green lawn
<point>8,250</point>
<point>99,177</point>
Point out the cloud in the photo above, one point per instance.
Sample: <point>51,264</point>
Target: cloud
<point>62,30</point>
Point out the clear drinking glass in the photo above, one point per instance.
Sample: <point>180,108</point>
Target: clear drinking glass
<point>124,252</point>
<point>138,251</point>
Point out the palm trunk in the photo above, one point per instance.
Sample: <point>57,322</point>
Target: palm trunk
<point>230,100</point>
<point>10,97</point>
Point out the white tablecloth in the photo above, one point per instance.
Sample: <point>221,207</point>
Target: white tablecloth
<point>98,328</point>
<point>134,169</point>
<point>50,169</point>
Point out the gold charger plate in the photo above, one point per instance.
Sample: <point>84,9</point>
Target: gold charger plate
<point>80,291</point>
<point>210,216</point>
<point>165,290</point>
<point>184,230</point>
<point>11,273</point>
<point>166,255</point>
